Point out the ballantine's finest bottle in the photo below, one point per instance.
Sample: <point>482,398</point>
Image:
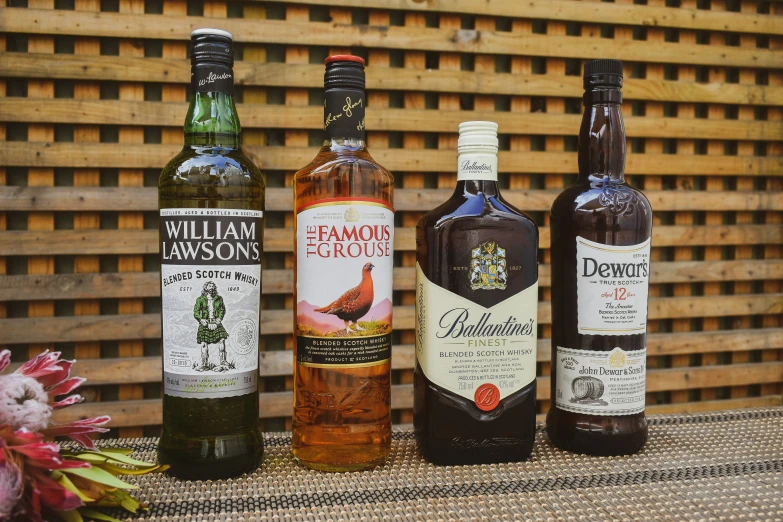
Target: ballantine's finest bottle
<point>211,200</point>
<point>344,256</point>
<point>601,230</point>
<point>476,317</point>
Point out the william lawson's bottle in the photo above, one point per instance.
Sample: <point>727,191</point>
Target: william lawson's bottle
<point>601,230</point>
<point>476,317</point>
<point>211,199</point>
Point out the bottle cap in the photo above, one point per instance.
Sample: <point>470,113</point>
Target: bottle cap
<point>344,70</point>
<point>603,73</point>
<point>211,45</point>
<point>478,136</point>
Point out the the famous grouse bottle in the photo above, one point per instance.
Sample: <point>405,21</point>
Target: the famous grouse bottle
<point>211,199</point>
<point>344,257</point>
<point>476,317</point>
<point>601,230</point>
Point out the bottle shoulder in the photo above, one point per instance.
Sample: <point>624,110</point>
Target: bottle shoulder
<point>470,212</point>
<point>328,163</point>
<point>598,197</point>
<point>211,166</point>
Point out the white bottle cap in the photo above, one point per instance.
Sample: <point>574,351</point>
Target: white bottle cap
<point>207,30</point>
<point>478,136</point>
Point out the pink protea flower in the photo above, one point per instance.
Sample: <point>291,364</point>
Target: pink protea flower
<point>11,487</point>
<point>29,395</point>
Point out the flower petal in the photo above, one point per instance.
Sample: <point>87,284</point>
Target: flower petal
<point>56,496</point>
<point>47,455</point>
<point>56,373</point>
<point>5,359</point>
<point>68,401</point>
<point>64,387</point>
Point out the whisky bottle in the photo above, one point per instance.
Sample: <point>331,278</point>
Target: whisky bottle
<point>476,317</point>
<point>211,199</point>
<point>343,288</point>
<point>601,229</point>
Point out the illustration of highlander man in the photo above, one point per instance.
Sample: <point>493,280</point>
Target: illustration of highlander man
<point>209,312</point>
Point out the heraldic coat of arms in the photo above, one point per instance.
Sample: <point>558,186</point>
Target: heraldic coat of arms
<point>488,267</point>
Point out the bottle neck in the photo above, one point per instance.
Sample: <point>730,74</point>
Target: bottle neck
<point>212,119</point>
<point>474,187</point>
<point>344,116</point>
<point>601,147</point>
<point>477,165</point>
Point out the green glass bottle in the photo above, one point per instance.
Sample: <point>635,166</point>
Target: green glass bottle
<point>211,199</point>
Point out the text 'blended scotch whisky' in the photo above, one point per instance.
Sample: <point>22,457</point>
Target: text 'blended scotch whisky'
<point>344,255</point>
<point>601,230</point>
<point>476,317</point>
<point>211,199</point>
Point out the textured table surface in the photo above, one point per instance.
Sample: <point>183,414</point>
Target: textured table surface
<point>714,466</point>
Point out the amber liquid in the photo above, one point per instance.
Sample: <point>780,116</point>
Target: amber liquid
<point>325,436</point>
<point>451,429</point>
<point>603,208</point>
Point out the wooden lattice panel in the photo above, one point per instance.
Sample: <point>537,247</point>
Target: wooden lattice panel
<point>93,95</point>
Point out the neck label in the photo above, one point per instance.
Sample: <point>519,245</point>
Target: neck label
<point>211,77</point>
<point>344,114</point>
<point>477,166</point>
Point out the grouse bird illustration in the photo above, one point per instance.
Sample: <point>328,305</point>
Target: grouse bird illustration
<point>355,303</point>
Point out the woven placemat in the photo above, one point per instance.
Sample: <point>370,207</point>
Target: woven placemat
<point>715,466</point>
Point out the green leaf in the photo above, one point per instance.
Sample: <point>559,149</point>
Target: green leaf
<point>101,476</point>
<point>93,514</point>
<point>119,470</point>
<point>65,482</point>
<point>124,451</point>
<point>104,455</point>
<point>70,516</point>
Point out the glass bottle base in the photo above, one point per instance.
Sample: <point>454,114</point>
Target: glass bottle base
<point>596,435</point>
<point>211,458</point>
<point>342,458</point>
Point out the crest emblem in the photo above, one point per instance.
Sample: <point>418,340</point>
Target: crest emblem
<point>488,267</point>
<point>351,215</point>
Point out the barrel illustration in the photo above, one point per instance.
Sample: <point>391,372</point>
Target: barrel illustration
<point>587,388</point>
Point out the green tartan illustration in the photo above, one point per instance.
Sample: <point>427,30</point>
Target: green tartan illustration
<point>201,311</point>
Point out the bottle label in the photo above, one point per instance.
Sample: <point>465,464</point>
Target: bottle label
<point>601,383</point>
<point>482,354</point>
<point>345,259</point>
<point>211,77</point>
<point>344,113</point>
<point>611,288</point>
<point>477,167</point>
<point>211,290</point>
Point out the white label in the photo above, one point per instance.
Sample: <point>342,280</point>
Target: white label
<point>611,288</point>
<point>482,354</point>
<point>601,383</point>
<point>345,259</point>
<point>211,295</point>
<point>477,167</point>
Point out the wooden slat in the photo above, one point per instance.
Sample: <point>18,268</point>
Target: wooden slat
<point>582,12</point>
<point>163,70</point>
<point>150,156</point>
<point>277,404</point>
<point>121,25</point>
<point>74,242</point>
<point>119,112</point>
<point>82,328</point>
<point>87,199</point>
<point>147,284</point>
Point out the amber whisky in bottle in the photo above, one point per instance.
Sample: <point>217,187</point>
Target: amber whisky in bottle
<point>476,317</point>
<point>211,199</point>
<point>343,288</point>
<point>601,230</point>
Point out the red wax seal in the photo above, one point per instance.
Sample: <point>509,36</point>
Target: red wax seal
<point>487,397</point>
